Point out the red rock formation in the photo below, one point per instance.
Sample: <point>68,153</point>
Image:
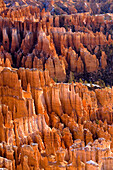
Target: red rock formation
<point>5,39</point>
<point>15,41</point>
<point>68,103</point>
<point>91,62</point>
<point>103,60</point>
<point>46,124</point>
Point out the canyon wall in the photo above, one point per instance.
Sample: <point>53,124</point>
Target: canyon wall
<point>51,125</point>
<point>48,120</point>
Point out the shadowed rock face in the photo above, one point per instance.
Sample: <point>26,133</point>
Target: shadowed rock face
<point>67,7</point>
<point>45,122</point>
<point>36,42</point>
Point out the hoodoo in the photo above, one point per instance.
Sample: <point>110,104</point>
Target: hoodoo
<point>56,85</point>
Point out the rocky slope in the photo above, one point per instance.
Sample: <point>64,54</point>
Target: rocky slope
<point>67,7</point>
<point>78,43</point>
<point>45,125</point>
<point>47,120</point>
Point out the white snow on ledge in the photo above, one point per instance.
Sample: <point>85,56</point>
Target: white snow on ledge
<point>92,163</point>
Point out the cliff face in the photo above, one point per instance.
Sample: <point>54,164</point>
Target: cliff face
<point>67,7</point>
<point>47,123</point>
<point>36,42</point>
<point>44,124</point>
<point>2,6</point>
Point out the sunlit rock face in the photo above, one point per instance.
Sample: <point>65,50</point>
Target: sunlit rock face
<point>44,124</point>
<point>48,119</point>
<point>39,44</point>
